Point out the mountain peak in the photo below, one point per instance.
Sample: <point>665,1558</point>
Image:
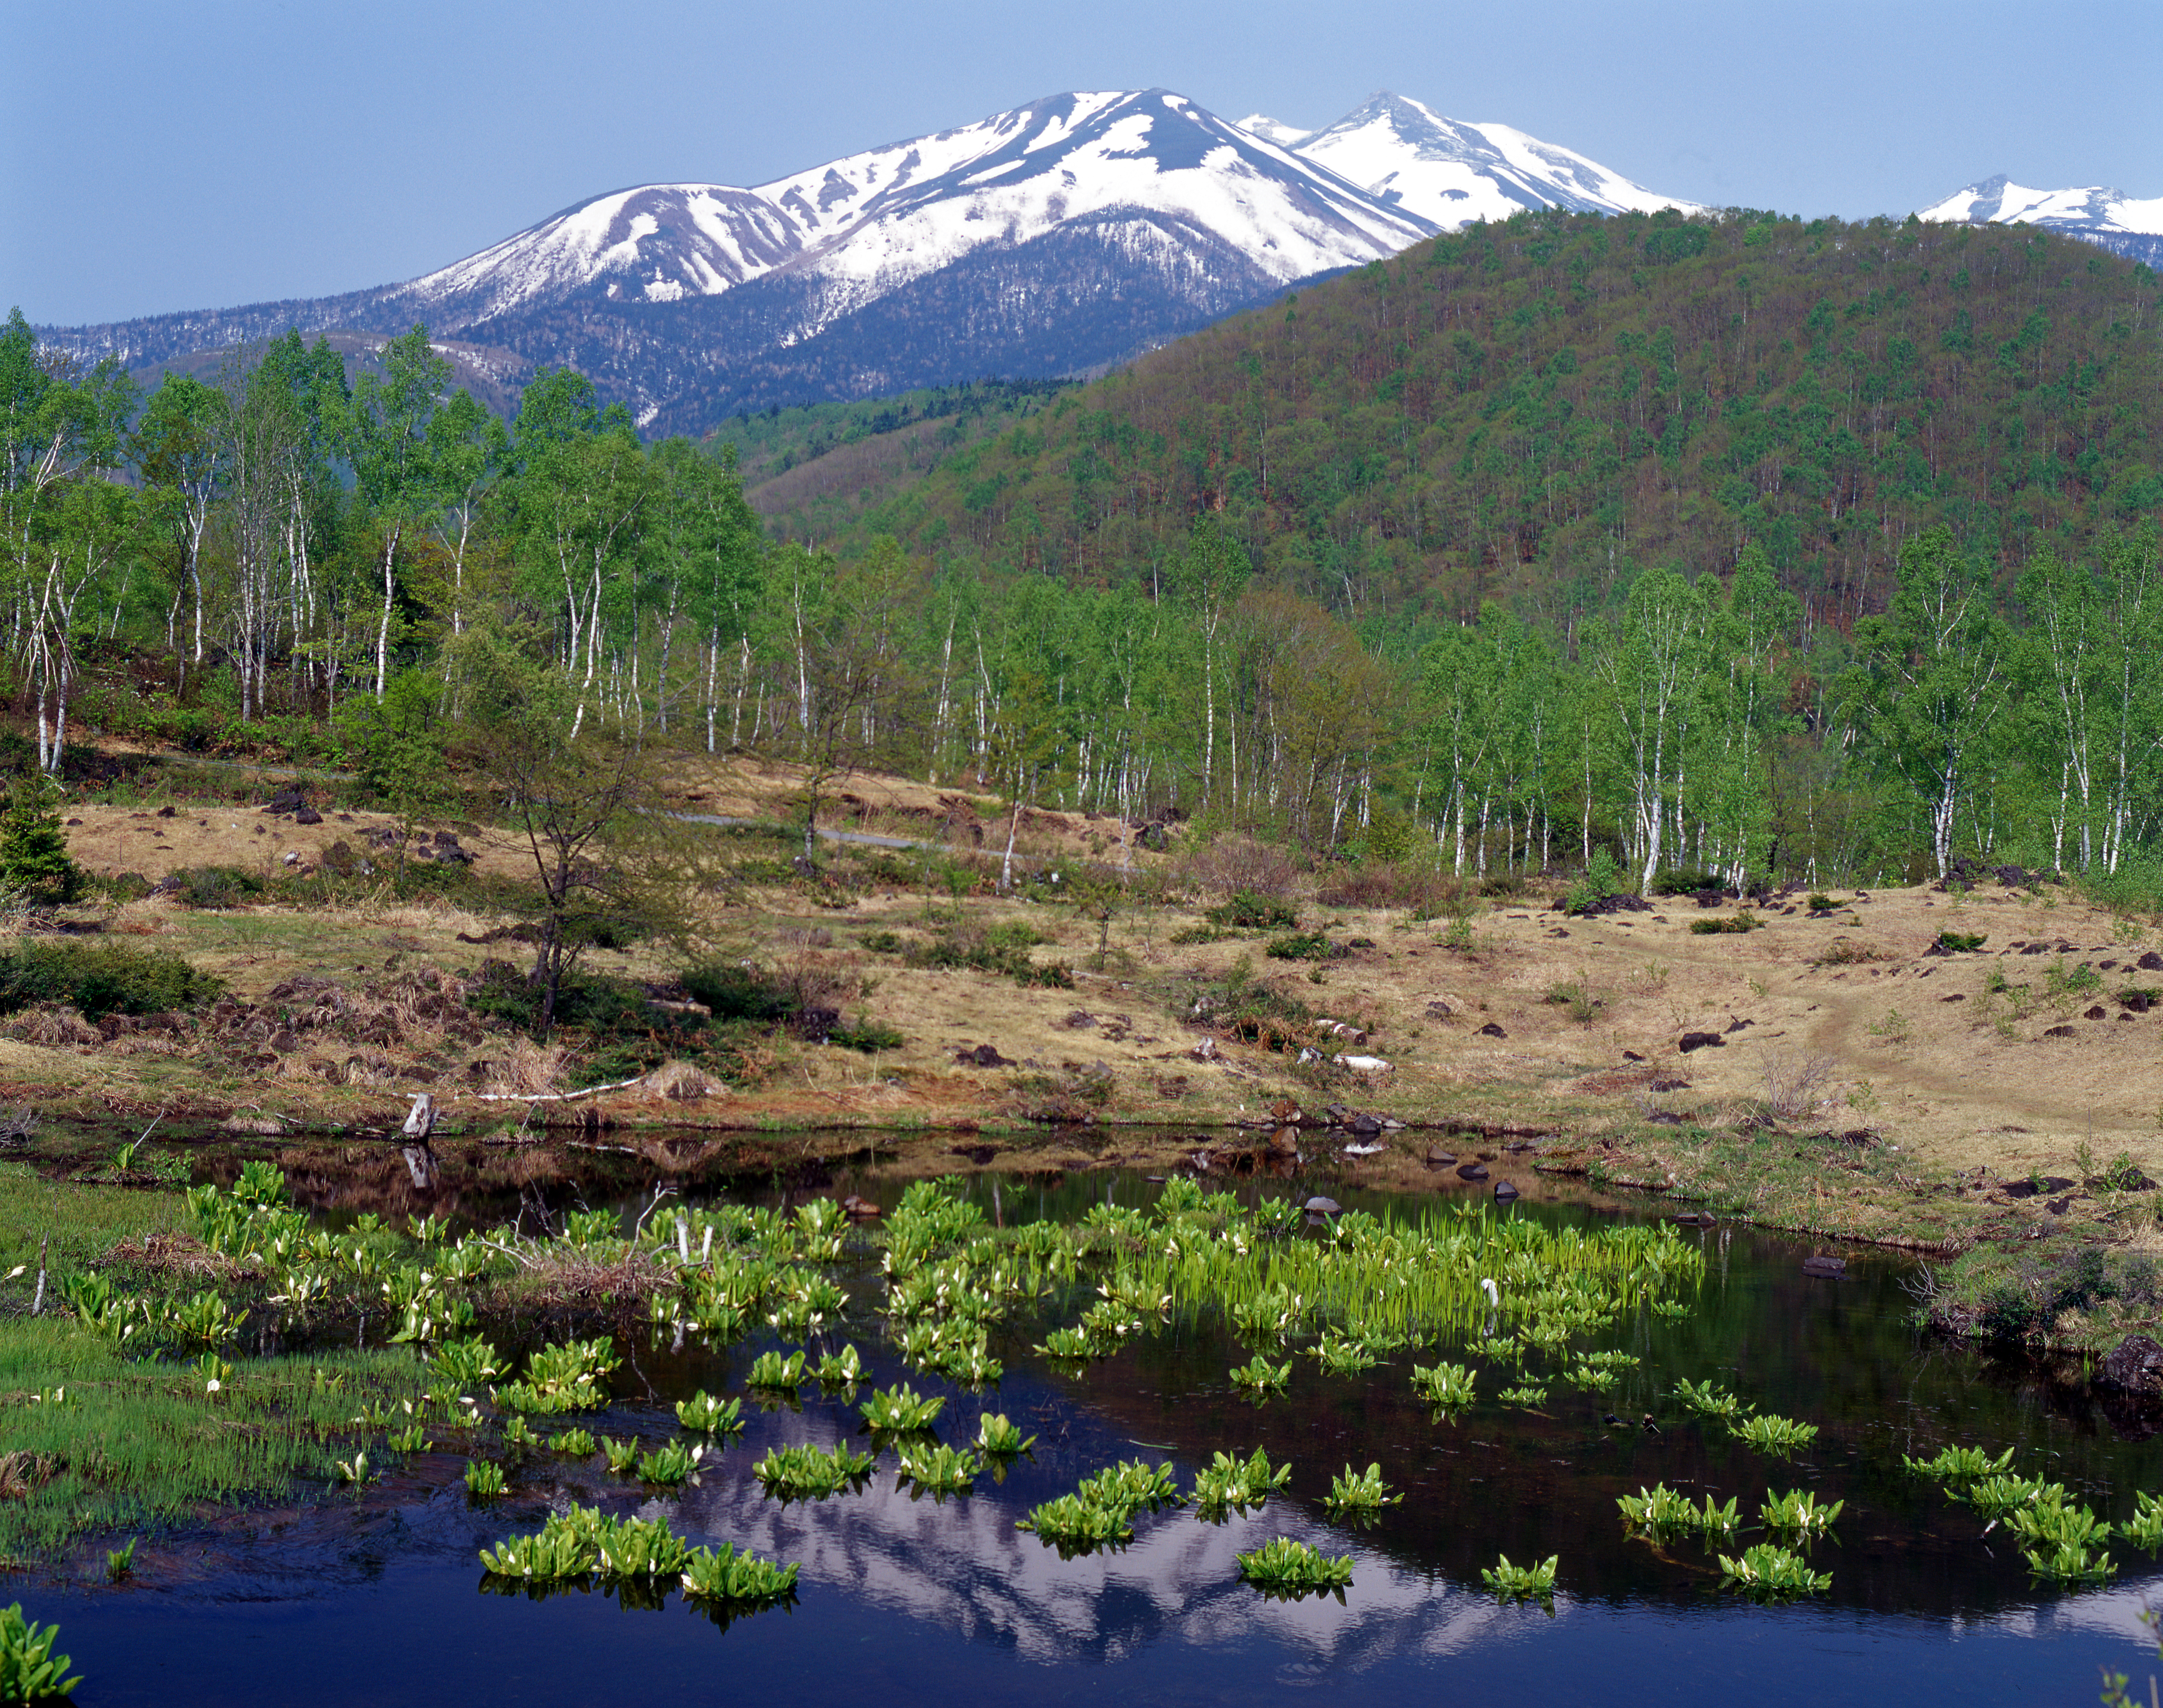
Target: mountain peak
<point>1451,172</point>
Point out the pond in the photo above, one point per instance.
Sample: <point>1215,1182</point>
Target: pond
<point>378,1597</point>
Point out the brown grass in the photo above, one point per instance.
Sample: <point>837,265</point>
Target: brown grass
<point>21,1472</point>
<point>561,1275</point>
<point>172,1254</point>
<point>1234,863</point>
<point>51,1026</point>
<point>520,1068</point>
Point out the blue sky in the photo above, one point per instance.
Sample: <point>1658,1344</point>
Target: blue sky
<point>168,156</point>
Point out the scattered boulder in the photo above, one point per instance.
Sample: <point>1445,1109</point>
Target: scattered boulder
<point>2059,1206</point>
<point>2134,1365</point>
<point>1472,1171</point>
<point>1284,1141</point>
<point>1696,1219</point>
<point>1080,1020</point>
<point>1829,1268</point>
<point>1365,1125</point>
<point>2033,1188</point>
<point>860,1209</point>
<point>1205,1051</point>
<point>1624,903</point>
<point>983,1056</point>
<point>1492,1030</point>
<point>1284,1109</point>
<point>2057,1031</point>
<point>2150,963</point>
<point>2094,1013</point>
<point>2013,877</point>
<point>1437,1157</point>
<point>1319,1206</point>
<point>1699,1041</point>
<point>1438,1011</point>
<point>1503,1192</point>
<point>978,1154</point>
<point>307,815</point>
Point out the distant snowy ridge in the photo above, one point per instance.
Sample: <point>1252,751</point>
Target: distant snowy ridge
<point>2130,224</point>
<point>1450,173</point>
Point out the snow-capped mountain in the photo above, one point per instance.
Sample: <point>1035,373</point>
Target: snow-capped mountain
<point>2129,224</point>
<point>1146,170</point>
<point>1059,238</point>
<point>1450,173</point>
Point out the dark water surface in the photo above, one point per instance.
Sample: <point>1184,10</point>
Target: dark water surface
<point>379,1601</point>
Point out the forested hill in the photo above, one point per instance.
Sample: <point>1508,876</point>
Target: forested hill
<point>1526,409</point>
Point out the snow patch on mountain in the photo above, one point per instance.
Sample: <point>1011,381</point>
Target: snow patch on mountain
<point>1271,130</point>
<point>2091,208</point>
<point>1450,173</point>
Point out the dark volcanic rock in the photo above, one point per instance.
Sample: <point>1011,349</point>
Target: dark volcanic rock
<point>1700,1041</point>
<point>2134,1365</point>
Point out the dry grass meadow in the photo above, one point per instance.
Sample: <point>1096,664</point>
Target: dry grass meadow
<point>1900,1070</point>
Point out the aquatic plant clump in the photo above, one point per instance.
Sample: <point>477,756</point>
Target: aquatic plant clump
<point>29,1670</point>
<point>1959,1464</point>
<point>1708,1401</point>
<point>1798,1513</point>
<point>2053,1524</point>
<point>1259,1378</point>
<point>708,1416</point>
<point>1132,1485</point>
<point>1657,1510</point>
<point>1287,1570</point>
<point>1521,1583</point>
<point>901,1410</point>
<point>998,1438</point>
<point>2145,1529</point>
<point>1779,1435</point>
<point>1231,1484</point>
<point>1358,1494</point>
<point>1448,1386</point>
<point>671,1465</point>
<point>940,1470</point>
<point>2070,1563</point>
<point>741,1578</point>
<point>1074,1526</point>
<point>1994,1496</point>
<point>1660,1511</point>
<point>1765,1572</point>
<point>803,1472</point>
<point>770,1370</point>
<point>582,1541</point>
<point>563,1378</point>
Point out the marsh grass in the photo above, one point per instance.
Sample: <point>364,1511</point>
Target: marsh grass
<point>141,1443</point>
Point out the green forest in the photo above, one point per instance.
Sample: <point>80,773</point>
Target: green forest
<point>1761,548</point>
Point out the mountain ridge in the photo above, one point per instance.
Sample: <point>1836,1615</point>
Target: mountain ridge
<point>1058,237</point>
<point>2130,225</point>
